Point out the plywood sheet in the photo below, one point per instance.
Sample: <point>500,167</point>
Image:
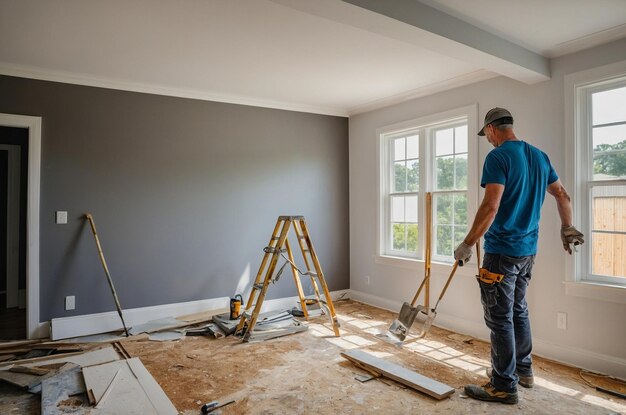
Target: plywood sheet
<point>400,374</point>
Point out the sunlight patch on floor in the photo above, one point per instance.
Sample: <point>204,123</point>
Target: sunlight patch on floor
<point>554,387</point>
<point>605,403</point>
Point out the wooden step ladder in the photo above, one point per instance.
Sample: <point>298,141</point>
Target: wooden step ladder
<point>278,245</point>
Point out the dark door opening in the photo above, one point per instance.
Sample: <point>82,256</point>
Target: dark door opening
<point>13,211</point>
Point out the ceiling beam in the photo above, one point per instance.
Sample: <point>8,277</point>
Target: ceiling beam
<point>424,26</point>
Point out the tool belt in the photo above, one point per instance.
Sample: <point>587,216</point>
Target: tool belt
<point>489,277</point>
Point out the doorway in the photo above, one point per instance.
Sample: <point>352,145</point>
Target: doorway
<point>20,164</point>
<point>13,199</point>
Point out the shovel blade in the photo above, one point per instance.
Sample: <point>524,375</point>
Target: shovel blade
<point>400,326</point>
<point>424,321</point>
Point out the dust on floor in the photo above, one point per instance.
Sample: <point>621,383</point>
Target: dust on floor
<point>304,373</point>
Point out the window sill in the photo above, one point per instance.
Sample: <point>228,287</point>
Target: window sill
<point>418,265</point>
<point>596,291</point>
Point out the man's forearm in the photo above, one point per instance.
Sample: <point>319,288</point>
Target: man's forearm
<point>564,206</point>
<point>483,220</point>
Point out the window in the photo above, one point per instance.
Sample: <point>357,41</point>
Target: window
<point>601,177</point>
<point>431,154</point>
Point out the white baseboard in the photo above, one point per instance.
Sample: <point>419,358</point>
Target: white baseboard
<point>572,356</point>
<point>88,324</point>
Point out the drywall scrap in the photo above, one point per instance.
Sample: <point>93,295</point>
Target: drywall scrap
<point>70,381</point>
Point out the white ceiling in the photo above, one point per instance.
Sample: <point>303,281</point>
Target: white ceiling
<point>325,56</point>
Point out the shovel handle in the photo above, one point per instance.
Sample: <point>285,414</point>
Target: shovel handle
<point>445,288</point>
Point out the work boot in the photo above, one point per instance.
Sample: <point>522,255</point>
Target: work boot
<point>488,392</point>
<point>525,381</point>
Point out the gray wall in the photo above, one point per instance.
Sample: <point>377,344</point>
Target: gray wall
<point>184,193</point>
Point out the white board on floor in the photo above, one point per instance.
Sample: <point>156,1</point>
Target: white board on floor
<point>134,390</point>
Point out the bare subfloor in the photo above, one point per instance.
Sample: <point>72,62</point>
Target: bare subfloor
<point>304,373</point>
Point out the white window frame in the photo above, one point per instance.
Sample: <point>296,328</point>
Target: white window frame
<point>426,160</point>
<point>578,89</point>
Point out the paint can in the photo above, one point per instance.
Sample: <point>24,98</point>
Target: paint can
<point>235,306</point>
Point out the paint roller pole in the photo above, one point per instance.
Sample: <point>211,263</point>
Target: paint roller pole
<point>106,270</point>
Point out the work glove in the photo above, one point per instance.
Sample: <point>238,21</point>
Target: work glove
<point>463,253</point>
<point>571,236</point>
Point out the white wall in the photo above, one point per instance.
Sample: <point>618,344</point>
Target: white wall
<point>596,334</point>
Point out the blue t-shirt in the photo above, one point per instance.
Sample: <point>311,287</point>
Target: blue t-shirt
<point>525,171</point>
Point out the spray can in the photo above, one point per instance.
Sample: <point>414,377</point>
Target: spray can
<point>235,306</point>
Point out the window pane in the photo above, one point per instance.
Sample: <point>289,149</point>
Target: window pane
<point>398,149</point>
<point>413,175</point>
<point>412,147</point>
<point>411,237</point>
<point>445,172</point>
<point>609,215</point>
<point>460,139</point>
<point>609,106</point>
<point>398,236</point>
<point>444,209</point>
<point>444,240</point>
<point>609,166</point>
<point>397,208</point>
<point>460,209</point>
<point>460,163</point>
<point>399,174</point>
<point>609,138</point>
<point>411,209</point>
<point>609,208</point>
<point>608,254</point>
<point>444,142</point>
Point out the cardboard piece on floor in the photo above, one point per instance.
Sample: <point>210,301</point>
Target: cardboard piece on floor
<point>164,336</point>
<point>400,374</point>
<point>134,390</point>
<point>59,388</point>
<point>93,357</point>
<point>157,325</point>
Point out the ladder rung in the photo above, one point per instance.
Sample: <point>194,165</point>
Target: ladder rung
<point>310,273</point>
<point>258,286</point>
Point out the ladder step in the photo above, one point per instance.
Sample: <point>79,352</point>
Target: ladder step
<point>258,286</point>
<point>310,273</point>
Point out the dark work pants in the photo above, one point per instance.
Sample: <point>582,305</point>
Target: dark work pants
<point>506,315</point>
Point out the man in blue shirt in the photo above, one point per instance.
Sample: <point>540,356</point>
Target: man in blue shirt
<point>516,177</point>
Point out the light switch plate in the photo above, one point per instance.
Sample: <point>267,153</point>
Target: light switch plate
<point>61,217</point>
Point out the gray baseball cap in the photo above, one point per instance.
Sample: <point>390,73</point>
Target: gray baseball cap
<point>496,116</point>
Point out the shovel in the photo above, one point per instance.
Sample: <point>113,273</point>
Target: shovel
<point>400,327</point>
<point>425,317</point>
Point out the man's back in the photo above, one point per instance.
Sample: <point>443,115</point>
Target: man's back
<point>525,172</point>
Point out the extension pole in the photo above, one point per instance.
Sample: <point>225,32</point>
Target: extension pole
<point>106,270</point>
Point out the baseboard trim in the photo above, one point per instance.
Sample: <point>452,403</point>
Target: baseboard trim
<point>88,324</point>
<point>571,356</point>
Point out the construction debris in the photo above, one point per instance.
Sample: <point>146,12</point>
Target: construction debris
<point>378,367</point>
<point>66,381</point>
